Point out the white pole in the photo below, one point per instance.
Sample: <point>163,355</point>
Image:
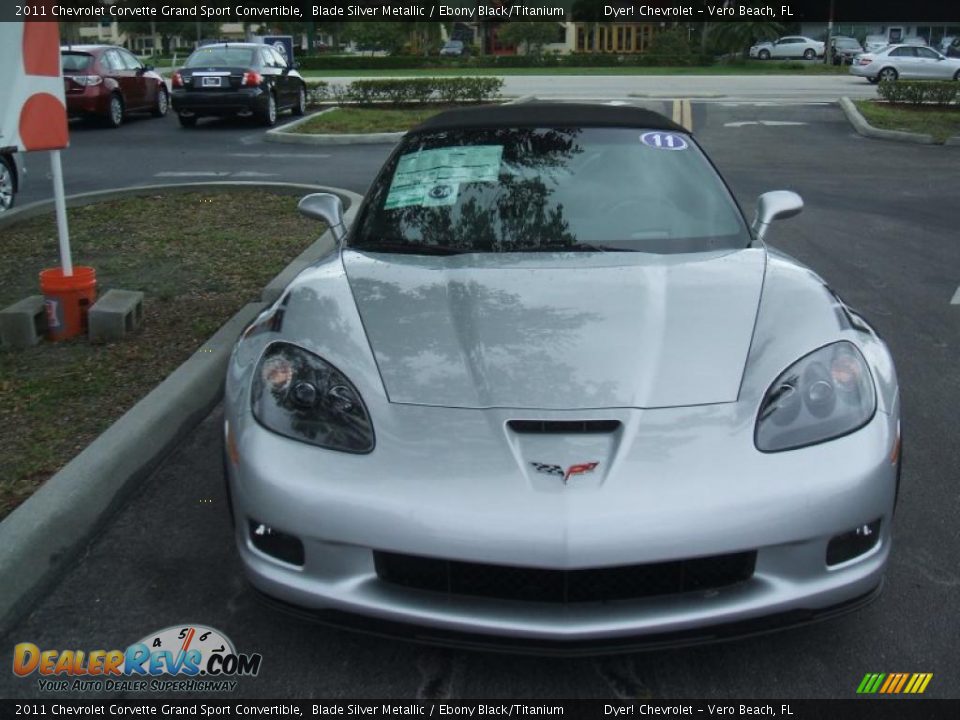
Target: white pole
<point>61,204</point>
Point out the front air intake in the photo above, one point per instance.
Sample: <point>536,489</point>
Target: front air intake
<point>563,427</point>
<point>503,582</point>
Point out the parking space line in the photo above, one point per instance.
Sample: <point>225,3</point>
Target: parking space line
<point>686,114</point>
<point>677,114</point>
<point>956,297</point>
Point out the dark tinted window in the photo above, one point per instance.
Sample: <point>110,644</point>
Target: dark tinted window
<point>538,189</point>
<point>75,61</point>
<point>903,52</point>
<point>221,57</point>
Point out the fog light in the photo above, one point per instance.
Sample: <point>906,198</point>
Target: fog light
<point>853,543</point>
<point>276,544</point>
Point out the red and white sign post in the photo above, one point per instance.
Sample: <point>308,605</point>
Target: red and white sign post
<point>33,116</point>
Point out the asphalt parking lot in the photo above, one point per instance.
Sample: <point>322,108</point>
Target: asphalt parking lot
<point>880,226</point>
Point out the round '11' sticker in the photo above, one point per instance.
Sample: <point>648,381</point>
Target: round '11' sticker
<point>664,141</point>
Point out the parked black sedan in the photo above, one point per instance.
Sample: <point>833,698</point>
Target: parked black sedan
<point>243,79</point>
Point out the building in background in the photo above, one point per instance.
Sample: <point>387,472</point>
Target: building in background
<point>895,32</point>
<point>624,38</point>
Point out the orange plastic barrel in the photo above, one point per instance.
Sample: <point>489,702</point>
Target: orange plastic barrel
<point>67,299</point>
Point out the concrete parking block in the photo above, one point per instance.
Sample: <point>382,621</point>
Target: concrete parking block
<point>24,323</point>
<point>116,314</point>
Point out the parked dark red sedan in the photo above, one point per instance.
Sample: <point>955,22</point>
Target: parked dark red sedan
<point>107,83</point>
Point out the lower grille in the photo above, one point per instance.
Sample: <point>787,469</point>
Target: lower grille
<point>564,586</point>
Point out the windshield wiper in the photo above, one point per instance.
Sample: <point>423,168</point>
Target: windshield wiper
<point>406,248</point>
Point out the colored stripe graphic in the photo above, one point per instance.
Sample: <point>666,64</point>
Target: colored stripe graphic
<point>894,683</point>
<point>903,680</point>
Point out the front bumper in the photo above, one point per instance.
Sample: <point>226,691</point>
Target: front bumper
<point>225,102</point>
<point>657,502</point>
<point>578,648</point>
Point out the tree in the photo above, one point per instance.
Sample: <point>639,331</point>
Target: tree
<point>671,47</point>
<point>389,36</point>
<point>335,30</point>
<point>532,35</point>
<point>739,36</point>
<point>168,30</point>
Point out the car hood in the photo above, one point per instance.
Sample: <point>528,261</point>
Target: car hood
<point>551,331</point>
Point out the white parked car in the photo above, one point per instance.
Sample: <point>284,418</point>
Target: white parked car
<point>873,43</point>
<point>910,62</point>
<point>792,46</point>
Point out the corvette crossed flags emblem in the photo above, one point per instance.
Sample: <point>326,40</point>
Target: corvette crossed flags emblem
<point>579,469</point>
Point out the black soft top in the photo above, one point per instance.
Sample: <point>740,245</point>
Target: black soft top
<point>543,114</point>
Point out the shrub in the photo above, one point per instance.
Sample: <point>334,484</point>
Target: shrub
<point>668,55</point>
<point>405,91</point>
<point>919,92</point>
<point>670,47</point>
<point>317,92</point>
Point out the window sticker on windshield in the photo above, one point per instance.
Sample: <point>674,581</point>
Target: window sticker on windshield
<point>432,178</point>
<point>663,141</point>
<point>442,193</point>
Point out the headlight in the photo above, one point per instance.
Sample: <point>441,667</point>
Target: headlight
<point>822,396</point>
<point>301,396</point>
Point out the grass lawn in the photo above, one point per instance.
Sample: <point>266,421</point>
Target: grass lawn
<point>199,257</point>
<point>941,122</point>
<point>753,67</point>
<point>367,120</point>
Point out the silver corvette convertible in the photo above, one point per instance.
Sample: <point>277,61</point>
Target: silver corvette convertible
<point>552,391</point>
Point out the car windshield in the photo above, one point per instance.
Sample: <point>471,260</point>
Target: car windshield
<point>549,189</point>
<point>75,61</point>
<point>221,57</point>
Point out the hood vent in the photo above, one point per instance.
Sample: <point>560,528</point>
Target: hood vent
<point>564,427</point>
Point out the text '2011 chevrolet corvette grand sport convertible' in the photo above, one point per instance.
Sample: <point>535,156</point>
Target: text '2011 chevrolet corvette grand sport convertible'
<point>553,391</point>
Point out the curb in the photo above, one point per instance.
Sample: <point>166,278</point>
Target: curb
<point>282,134</point>
<point>41,537</point>
<point>40,207</point>
<point>861,125</point>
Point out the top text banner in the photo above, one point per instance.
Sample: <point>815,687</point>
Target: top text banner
<point>659,11</point>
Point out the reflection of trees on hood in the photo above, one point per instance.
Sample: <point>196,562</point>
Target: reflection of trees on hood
<point>513,215</point>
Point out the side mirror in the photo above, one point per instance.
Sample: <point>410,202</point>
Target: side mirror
<point>775,205</point>
<point>328,208</point>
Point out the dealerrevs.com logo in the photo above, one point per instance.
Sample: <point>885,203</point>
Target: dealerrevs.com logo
<point>180,658</point>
